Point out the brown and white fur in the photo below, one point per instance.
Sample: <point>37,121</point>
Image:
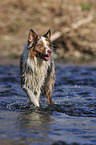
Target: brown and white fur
<point>37,67</point>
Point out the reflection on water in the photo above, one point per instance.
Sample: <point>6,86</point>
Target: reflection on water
<point>37,125</point>
<point>42,127</point>
<point>25,127</point>
<point>70,120</point>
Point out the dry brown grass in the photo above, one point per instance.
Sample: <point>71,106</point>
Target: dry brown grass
<point>17,17</point>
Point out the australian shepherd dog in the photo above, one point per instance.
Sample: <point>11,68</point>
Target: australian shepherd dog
<point>37,71</point>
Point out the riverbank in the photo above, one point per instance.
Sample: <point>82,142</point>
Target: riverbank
<point>75,21</point>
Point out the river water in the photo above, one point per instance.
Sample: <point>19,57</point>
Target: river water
<point>71,120</point>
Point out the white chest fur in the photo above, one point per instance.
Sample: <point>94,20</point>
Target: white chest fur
<point>36,77</point>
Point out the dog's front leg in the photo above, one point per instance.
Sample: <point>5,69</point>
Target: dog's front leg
<point>34,99</point>
<point>49,83</point>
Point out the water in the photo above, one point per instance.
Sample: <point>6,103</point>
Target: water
<point>70,120</point>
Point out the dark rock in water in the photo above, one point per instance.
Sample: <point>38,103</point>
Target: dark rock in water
<point>60,143</point>
<point>64,143</point>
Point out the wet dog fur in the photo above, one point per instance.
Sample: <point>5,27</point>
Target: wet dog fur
<point>37,71</point>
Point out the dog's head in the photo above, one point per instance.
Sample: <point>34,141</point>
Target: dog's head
<point>40,46</point>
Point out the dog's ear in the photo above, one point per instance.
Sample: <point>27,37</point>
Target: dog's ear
<point>48,34</point>
<point>32,36</point>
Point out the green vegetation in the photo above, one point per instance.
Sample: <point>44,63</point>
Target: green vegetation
<point>86,7</point>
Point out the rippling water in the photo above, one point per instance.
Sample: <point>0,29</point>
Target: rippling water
<point>70,120</point>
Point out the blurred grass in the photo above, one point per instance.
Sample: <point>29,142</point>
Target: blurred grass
<point>17,17</point>
<point>86,7</point>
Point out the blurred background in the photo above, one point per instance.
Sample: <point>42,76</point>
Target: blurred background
<point>72,22</point>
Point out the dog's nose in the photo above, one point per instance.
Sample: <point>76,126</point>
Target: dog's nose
<point>49,51</point>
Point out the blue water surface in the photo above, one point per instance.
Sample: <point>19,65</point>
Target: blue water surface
<point>70,120</point>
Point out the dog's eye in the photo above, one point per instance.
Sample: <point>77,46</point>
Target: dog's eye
<point>39,44</point>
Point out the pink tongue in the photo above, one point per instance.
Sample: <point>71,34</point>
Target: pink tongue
<point>47,58</point>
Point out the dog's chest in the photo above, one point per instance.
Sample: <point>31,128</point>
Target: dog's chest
<point>38,72</point>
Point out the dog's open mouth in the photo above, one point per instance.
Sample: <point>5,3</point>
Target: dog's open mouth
<point>45,57</point>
